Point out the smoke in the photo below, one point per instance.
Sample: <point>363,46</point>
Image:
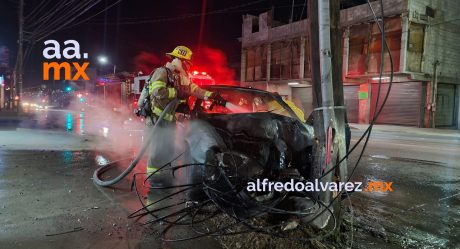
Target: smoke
<point>211,60</point>
<point>214,62</point>
<point>146,62</point>
<point>112,126</point>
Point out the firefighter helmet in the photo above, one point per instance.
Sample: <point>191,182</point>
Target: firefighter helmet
<point>181,52</point>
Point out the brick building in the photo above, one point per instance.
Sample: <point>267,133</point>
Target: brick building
<point>424,40</point>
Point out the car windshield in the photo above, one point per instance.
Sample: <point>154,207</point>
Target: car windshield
<point>242,100</point>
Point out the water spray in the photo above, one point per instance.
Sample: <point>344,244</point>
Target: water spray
<point>98,172</point>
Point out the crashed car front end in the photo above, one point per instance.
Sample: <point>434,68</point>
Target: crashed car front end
<point>246,147</point>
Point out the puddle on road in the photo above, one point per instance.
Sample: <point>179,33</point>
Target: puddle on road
<point>380,156</point>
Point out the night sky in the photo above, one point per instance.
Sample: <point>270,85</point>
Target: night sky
<point>137,31</point>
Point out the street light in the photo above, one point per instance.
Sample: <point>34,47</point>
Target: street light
<point>103,60</point>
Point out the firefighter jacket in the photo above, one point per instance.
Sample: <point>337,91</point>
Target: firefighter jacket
<point>165,86</point>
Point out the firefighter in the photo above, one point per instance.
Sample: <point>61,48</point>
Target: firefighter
<point>165,84</point>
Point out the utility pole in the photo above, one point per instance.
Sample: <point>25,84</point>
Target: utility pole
<point>20,58</point>
<point>339,145</point>
<point>434,94</point>
<point>329,117</point>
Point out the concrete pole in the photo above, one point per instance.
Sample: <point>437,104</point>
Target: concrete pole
<point>328,147</point>
<point>327,93</point>
<point>20,54</point>
<point>435,94</point>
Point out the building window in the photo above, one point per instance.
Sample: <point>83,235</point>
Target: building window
<point>393,32</point>
<point>250,63</point>
<point>255,25</point>
<point>295,61</point>
<point>358,46</point>
<point>307,63</point>
<point>429,11</point>
<point>256,63</point>
<point>284,58</point>
<point>276,66</point>
<point>415,42</point>
<point>365,47</point>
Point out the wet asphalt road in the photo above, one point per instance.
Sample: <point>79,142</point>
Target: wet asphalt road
<point>423,211</point>
<point>45,193</point>
<point>48,199</point>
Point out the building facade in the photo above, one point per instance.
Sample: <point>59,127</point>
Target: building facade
<point>424,40</point>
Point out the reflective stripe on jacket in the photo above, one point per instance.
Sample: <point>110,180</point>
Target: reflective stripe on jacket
<point>161,93</point>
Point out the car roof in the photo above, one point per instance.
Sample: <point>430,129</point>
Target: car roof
<point>240,88</point>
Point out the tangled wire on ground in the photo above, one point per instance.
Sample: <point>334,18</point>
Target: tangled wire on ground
<point>219,195</point>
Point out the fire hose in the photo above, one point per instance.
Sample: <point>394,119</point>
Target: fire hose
<point>98,172</point>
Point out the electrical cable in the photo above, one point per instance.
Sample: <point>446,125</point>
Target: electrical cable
<point>186,16</point>
<point>107,8</point>
<point>36,11</point>
<point>69,20</point>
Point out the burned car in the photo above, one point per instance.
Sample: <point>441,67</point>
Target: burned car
<point>255,136</point>
<point>214,153</point>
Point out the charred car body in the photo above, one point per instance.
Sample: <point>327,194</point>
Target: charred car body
<point>256,136</point>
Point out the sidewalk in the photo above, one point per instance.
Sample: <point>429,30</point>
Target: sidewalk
<point>28,139</point>
<point>409,129</point>
<point>8,117</point>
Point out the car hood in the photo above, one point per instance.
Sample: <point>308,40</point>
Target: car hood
<point>265,125</point>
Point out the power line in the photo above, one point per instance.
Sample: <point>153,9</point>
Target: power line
<point>186,16</point>
<point>107,8</point>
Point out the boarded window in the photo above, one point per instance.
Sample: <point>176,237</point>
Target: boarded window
<point>259,62</point>
<point>307,63</point>
<point>415,47</point>
<point>286,60</point>
<point>365,47</point>
<point>276,66</point>
<point>295,51</point>
<point>393,32</point>
<point>358,46</point>
<point>250,63</point>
